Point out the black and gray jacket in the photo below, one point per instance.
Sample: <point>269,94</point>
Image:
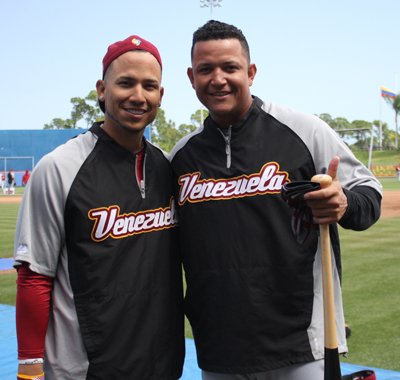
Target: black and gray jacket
<point>111,245</point>
<point>254,295</point>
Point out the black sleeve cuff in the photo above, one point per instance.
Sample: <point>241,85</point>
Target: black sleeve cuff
<point>364,208</point>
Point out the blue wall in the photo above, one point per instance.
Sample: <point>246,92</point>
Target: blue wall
<point>33,143</point>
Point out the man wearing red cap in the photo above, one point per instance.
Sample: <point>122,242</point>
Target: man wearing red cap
<point>99,277</point>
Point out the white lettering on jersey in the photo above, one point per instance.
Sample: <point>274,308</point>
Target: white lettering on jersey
<point>268,180</point>
<point>109,223</point>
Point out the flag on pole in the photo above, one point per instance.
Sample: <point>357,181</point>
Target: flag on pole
<point>386,92</point>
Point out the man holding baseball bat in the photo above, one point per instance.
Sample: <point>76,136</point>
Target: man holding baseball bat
<point>254,292</point>
<point>99,291</point>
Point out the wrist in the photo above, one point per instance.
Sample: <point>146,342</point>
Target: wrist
<point>30,361</point>
<point>30,372</point>
<point>30,377</point>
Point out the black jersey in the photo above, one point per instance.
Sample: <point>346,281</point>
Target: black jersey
<point>111,244</point>
<point>254,295</point>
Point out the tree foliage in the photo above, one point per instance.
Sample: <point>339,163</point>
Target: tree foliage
<point>87,109</point>
<point>337,124</point>
<point>196,117</point>
<point>58,123</point>
<point>362,138</point>
<point>395,104</point>
<point>164,133</point>
<point>387,134</point>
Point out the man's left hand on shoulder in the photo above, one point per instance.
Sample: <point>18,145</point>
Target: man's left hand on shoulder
<point>330,204</point>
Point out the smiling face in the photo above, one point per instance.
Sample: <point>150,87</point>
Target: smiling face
<point>222,76</point>
<point>132,92</point>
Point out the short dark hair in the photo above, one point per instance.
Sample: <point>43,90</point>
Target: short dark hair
<point>215,30</point>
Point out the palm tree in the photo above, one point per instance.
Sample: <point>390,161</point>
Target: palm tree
<point>395,103</point>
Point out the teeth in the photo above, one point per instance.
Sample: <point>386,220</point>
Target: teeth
<point>136,112</point>
<point>221,93</point>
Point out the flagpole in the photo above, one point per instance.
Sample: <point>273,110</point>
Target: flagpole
<point>370,150</point>
<point>380,120</point>
<point>395,93</point>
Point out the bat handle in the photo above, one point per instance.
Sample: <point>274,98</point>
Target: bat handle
<point>332,364</point>
<point>329,305</point>
<point>327,283</point>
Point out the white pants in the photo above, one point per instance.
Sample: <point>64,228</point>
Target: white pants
<point>307,371</point>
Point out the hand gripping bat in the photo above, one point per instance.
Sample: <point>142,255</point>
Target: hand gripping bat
<point>332,364</point>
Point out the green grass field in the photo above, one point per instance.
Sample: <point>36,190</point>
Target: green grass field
<point>8,288</point>
<point>8,220</point>
<point>379,158</point>
<point>371,297</point>
<point>390,184</point>
<point>371,273</point>
<point>18,191</point>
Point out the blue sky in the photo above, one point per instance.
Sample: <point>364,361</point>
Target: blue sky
<point>314,56</point>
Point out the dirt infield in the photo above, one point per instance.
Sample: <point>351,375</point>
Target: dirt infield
<point>390,203</point>
<point>7,271</point>
<point>10,199</point>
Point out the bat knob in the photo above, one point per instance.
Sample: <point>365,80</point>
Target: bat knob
<point>324,179</point>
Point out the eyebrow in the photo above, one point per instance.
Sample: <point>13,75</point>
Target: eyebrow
<point>224,63</point>
<point>126,77</point>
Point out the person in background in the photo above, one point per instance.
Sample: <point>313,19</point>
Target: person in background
<point>397,168</point>
<point>25,178</point>
<point>99,289</point>
<point>11,181</point>
<point>3,180</point>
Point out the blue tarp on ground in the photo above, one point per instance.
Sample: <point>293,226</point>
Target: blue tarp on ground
<point>6,264</point>
<point>8,353</point>
<point>8,343</point>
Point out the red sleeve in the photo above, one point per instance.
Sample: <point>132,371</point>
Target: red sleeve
<point>32,312</point>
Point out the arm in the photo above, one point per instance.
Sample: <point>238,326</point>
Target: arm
<point>355,209</point>
<point>32,315</point>
<point>39,242</point>
<point>364,208</point>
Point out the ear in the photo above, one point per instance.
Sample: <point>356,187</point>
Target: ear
<point>101,88</point>
<point>251,73</point>
<point>191,76</point>
<point>161,95</point>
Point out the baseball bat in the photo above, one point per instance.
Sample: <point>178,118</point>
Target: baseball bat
<point>332,364</point>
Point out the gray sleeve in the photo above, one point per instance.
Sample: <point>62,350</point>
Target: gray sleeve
<point>183,141</point>
<point>324,144</point>
<point>40,232</point>
<point>363,190</point>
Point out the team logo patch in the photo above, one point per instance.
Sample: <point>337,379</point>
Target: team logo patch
<point>109,222</point>
<point>136,42</point>
<point>268,181</point>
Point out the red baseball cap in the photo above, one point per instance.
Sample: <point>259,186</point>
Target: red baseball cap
<point>121,47</point>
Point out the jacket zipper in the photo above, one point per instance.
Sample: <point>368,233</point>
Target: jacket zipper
<point>227,146</point>
<point>142,186</point>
